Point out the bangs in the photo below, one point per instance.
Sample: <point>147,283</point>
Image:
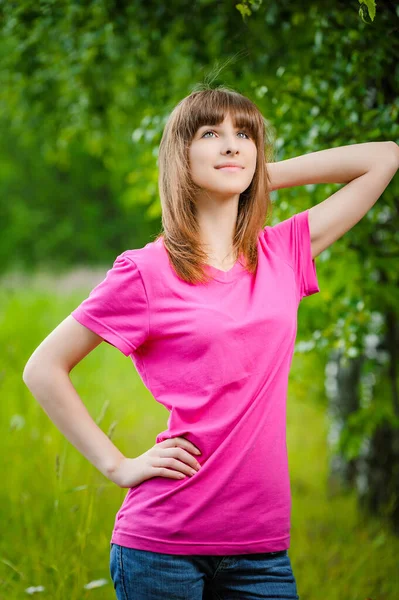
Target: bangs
<point>210,107</point>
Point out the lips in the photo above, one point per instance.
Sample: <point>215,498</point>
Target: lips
<point>225,165</point>
<point>230,169</point>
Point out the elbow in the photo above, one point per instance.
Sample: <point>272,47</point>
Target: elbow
<point>25,372</point>
<point>395,151</point>
<point>32,371</point>
<point>42,371</point>
<point>28,373</point>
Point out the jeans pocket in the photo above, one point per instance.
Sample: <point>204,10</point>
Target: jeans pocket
<point>113,561</point>
<point>116,571</point>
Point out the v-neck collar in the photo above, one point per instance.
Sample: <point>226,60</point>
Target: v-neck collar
<point>226,276</point>
<point>217,274</point>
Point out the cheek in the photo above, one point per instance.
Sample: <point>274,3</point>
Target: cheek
<point>193,157</point>
<point>199,159</point>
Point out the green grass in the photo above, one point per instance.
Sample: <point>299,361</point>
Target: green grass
<point>57,511</point>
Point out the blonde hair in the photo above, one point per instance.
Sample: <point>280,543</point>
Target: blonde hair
<point>177,190</point>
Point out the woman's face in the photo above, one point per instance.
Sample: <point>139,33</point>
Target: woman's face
<point>216,144</point>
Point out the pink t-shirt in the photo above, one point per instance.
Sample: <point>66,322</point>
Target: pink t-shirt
<point>218,358</point>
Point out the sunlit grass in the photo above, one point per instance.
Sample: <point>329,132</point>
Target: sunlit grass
<point>57,511</point>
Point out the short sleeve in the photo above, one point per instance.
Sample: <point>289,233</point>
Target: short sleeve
<point>290,239</point>
<point>117,308</point>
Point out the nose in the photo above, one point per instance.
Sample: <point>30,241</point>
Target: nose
<point>231,149</point>
<point>230,145</point>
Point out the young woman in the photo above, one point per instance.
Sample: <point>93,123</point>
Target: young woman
<point>207,312</point>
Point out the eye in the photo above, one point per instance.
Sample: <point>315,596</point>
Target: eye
<point>210,131</point>
<point>206,132</point>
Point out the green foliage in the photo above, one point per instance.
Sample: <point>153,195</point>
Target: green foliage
<point>247,6</point>
<point>367,9</point>
<point>360,425</point>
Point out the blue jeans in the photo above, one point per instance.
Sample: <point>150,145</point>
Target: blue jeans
<point>144,575</point>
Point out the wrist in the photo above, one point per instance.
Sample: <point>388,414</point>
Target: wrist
<point>111,470</point>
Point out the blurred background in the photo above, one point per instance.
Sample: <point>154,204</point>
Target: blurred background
<point>85,91</point>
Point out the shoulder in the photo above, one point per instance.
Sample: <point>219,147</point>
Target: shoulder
<point>142,256</point>
<point>287,226</point>
<point>287,232</point>
<point>276,236</point>
<point>149,261</point>
<point>289,239</point>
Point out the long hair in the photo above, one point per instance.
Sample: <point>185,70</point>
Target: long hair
<point>177,190</point>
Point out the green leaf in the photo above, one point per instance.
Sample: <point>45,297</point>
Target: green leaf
<point>367,8</point>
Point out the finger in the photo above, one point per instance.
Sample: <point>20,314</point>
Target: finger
<point>182,455</point>
<point>176,464</point>
<point>165,472</point>
<point>189,445</point>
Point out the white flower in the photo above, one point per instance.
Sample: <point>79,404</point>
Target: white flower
<point>33,590</point>
<point>95,584</point>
